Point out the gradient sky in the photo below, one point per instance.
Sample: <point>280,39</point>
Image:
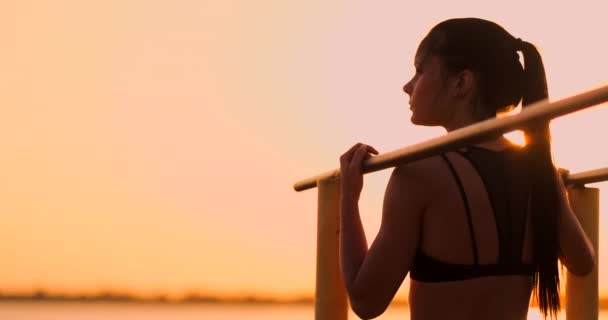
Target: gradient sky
<point>151,146</point>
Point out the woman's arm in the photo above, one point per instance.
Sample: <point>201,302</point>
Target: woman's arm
<point>372,277</point>
<point>576,250</point>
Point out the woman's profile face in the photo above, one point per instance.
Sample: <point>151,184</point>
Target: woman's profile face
<point>426,90</point>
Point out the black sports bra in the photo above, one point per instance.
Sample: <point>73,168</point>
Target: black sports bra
<point>506,181</point>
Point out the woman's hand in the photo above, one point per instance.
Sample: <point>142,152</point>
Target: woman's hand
<point>351,175</point>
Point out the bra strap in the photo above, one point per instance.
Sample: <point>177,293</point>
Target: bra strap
<point>466,206</point>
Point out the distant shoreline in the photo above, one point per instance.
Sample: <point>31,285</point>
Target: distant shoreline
<point>42,296</point>
<point>194,298</point>
<point>189,299</point>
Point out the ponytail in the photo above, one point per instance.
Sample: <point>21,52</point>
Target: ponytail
<point>544,204</point>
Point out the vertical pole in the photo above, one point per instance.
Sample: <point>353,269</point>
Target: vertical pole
<point>330,294</point>
<point>582,292</point>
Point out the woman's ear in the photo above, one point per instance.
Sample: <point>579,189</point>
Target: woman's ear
<point>463,84</point>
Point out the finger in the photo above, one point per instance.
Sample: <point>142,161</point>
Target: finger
<point>373,150</point>
<point>359,155</point>
<point>348,155</point>
<point>352,150</point>
<point>362,153</point>
<point>355,147</point>
<point>370,151</point>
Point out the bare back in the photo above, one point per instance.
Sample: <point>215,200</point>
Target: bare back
<point>446,236</point>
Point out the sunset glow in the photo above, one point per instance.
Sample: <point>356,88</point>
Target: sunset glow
<point>151,146</point>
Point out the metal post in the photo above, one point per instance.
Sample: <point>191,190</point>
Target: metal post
<point>330,294</point>
<point>582,300</point>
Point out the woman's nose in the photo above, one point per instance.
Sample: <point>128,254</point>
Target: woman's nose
<point>407,88</point>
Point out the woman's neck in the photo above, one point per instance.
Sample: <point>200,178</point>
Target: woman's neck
<point>495,143</point>
<point>456,124</point>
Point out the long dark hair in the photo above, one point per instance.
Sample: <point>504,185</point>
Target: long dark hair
<point>491,53</point>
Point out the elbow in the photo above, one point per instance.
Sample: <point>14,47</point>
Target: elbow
<point>590,264</point>
<point>584,266</point>
<point>365,312</point>
<point>583,270</point>
<point>366,307</point>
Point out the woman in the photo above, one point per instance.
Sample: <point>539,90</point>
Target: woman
<point>478,229</point>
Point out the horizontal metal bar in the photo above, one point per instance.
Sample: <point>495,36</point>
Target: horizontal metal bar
<point>540,111</point>
<point>591,176</point>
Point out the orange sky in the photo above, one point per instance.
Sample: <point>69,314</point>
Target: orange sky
<point>151,146</point>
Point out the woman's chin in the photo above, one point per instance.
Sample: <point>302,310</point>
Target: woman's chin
<point>422,122</point>
<point>416,120</point>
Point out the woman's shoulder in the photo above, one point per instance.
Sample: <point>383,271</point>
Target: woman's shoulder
<point>424,172</point>
<point>422,166</point>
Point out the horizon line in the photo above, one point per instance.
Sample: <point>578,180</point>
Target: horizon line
<point>189,298</point>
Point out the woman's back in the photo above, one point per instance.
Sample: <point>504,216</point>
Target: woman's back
<point>474,257</point>
<point>502,297</point>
